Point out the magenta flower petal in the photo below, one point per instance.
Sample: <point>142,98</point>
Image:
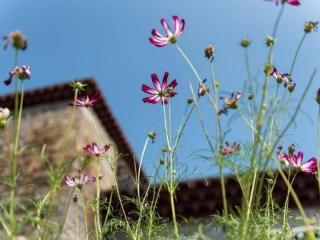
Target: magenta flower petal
<point>311,166</point>
<point>170,37</point>
<point>161,91</point>
<point>166,27</point>
<point>94,149</point>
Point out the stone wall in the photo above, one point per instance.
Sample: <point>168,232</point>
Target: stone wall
<point>46,129</point>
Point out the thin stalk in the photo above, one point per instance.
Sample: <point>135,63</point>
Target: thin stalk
<point>109,208</point>
<point>297,53</point>
<point>99,233</point>
<point>260,119</point>
<point>140,165</point>
<point>219,159</point>
<point>14,162</point>
<point>41,205</point>
<point>77,221</point>
<point>171,187</point>
<point>286,205</point>
<point>84,214</point>
<point>318,148</point>
<point>5,227</point>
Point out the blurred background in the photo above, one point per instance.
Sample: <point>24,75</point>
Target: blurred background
<point>108,40</point>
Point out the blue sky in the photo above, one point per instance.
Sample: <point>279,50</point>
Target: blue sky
<point>108,40</point>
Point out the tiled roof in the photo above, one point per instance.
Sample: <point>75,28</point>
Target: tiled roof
<point>202,197</point>
<point>63,92</point>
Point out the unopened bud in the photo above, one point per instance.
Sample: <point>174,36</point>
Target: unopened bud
<point>291,86</point>
<point>216,84</point>
<point>250,96</point>
<point>268,69</point>
<point>75,198</point>
<point>318,96</point>
<point>189,100</point>
<point>78,86</point>
<point>162,161</point>
<point>291,148</point>
<point>310,26</point>
<point>245,42</point>
<point>209,52</point>
<point>165,149</point>
<point>152,135</point>
<point>270,41</point>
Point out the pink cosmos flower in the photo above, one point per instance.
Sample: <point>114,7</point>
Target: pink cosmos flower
<point>291,2</point>
<point>94,149</point>
<point>280,77</point>
<point>78,181</point>
<point>170,36</point>
<point>86,101</point>
<point>17,39</point>
<point>295,160</point>
<point>229,149</point>
<point>21,73</point>
<point>230,103</point>
<point>161,91</point>
<point>283,78</point>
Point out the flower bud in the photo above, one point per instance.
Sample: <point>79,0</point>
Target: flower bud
<point>310,26</point>
<point>318,96</point>
<point>4,117</point>
<point>75,198</point>
<point>291,86</point>
<point>152,135</point>
<point>270,41</point>
<point>78,86</point>
<point>250,96</point>
<point>245,42</point>
<point>216,85</point>
<point>17,39</point>
<point>209,52</point>
<point>202,90</point>
<point>165,149</point>
<point>291,148</point>
<point>189,100</point>
<point>268,69</point>
<point>162,161</point>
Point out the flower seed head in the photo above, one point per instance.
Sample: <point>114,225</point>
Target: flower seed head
<point>209,52</point>
<point>245,42</point>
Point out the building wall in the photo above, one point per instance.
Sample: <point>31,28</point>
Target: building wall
<point>46,128</point>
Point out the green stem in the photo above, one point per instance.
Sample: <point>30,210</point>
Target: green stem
<point>41,205</point>
<point>140,166</point>
<point>99,233</point>
<point>172,176</point>
<point>260,120</point>
<point>84,214</point>
<point>318,148</point>
<point>14,162</point>
<point>77,220</point>
<point>297,53</point>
